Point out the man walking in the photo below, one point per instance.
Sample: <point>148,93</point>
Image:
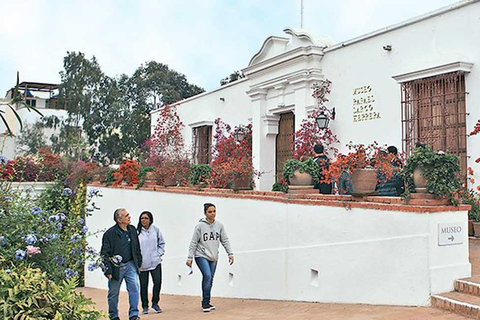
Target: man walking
<point>122,258</point>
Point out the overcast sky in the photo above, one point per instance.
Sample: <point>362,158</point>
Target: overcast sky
<point>204,39</point>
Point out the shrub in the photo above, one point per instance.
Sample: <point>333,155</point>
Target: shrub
<point>199,173</point>
<point>128,172</point>
<point>27,293</point>
<point>46,232</point>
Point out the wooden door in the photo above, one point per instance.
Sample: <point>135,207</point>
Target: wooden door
<point>284,142</point>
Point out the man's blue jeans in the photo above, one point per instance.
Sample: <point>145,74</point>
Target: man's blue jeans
<point>128,271</point>
<point>207,268</point>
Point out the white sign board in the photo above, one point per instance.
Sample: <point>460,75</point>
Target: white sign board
<point>451,233</point>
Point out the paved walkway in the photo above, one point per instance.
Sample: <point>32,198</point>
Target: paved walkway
<point>186,307</point>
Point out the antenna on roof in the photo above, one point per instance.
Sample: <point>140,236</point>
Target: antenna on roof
<point>301,14</point>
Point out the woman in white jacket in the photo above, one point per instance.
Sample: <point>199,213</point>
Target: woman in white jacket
<point>152,247</point>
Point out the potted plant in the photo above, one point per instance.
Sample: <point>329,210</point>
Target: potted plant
<point>439,169</point>
<point>301,173</point>
<point>363,165</point>
<point>199,174</point>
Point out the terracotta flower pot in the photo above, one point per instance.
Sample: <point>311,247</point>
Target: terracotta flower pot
<point>476,228</point>
<point>364,181</point>
<point>241,183</point>
<point>169,182</point>
<point>419,180</point>
<point>301,179</point>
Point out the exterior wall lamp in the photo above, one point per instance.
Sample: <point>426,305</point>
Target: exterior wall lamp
<point>222,99</point>
<point>323,119</point>
<point>240,133</point>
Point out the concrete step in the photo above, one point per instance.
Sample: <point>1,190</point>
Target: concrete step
<point>460,303</point>
<point>468,286</point>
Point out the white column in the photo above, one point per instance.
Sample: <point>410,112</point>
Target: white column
<point>263,142</point>
<point>304,102</point>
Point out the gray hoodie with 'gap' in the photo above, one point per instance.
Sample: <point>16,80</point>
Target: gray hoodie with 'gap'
<point>206,240</point>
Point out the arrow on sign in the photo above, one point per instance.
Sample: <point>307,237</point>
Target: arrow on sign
<point>451,238</point>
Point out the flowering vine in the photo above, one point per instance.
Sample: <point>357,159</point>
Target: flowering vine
<point>309,134</point>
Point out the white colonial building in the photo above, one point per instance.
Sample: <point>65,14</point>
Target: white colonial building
<point>42,96</point>
<point>414,81</point>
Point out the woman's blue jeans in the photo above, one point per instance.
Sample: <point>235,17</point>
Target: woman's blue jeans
<point>207,268</point>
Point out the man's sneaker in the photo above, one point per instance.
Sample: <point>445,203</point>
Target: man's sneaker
<point>157,308</point>
<point>135,318</point>
<point>211,307</point>
<point>145,310</point>
<point>206,308</point>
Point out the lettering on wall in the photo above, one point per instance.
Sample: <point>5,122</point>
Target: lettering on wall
<point>451,233</point>
<point>364,104</point>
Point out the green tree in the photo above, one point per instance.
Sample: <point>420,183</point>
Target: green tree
<point>31,138</point>
<point>115,112</point>
<point>234,76</point>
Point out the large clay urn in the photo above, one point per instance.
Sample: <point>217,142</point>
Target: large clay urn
<point>364,181</point>
<point>419,180</point>
<point>301,179</point>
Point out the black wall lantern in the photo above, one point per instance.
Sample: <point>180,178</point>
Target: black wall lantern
<point>323,119</point>
<point>240,134</point>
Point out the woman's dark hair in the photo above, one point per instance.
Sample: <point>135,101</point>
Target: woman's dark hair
<point>150,217</point>
<point>206,206</point>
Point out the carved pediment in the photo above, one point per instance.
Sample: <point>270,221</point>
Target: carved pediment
<point>274,46</point>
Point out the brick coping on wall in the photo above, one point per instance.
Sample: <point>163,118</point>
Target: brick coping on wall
<point>422,203</point>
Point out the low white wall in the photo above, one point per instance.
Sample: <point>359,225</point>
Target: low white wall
<point>288,251</point>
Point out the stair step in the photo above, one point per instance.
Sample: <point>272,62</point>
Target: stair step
<point>468,286</point>
<point>457,302</point>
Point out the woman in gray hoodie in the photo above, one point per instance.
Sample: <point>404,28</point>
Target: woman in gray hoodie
<point>207,236</point>
<point>152,247</point>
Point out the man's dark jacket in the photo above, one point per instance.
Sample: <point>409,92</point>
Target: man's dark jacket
<point>112,246</point>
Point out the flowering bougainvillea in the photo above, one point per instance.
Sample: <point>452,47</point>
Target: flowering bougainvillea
<point>166,148</point>
<point>309,134</point>
<point>232,154</point>
<point>128,171</point>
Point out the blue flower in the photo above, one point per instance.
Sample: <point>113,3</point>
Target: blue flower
<point>85,229</point>
<point>20,254</point>
<point>2,241</point>
<point>92,266</point>
<point>81,221</point>
<point>117,259</point>
<point>69,273</point>
<point>52,236</point>
<point>8,198</point>
<point>61,216</point>
<point>3,159</point>
<point>36,210</point>
<point>76,251</point>
<point>76,237</point>
<point>59,260</point>
<point>52,219</point>
<point>93,192</point>
<point>59,226</point>
<point>30,239</point>
<point>8,271</point>
<point>67,192</point>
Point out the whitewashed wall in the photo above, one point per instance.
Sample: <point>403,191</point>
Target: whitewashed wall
<point>428,43</point>
<point>360,255</point>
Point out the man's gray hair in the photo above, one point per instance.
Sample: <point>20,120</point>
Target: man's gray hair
<point>116,214</point>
